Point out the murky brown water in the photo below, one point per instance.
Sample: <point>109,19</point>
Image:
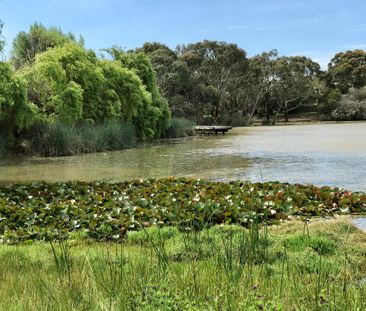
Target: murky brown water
<point>322,154</point>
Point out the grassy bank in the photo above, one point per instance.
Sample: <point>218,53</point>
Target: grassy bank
<point>294,266</point>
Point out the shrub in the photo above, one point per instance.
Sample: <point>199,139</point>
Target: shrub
<point>180,127</point>
<point>351,106</point>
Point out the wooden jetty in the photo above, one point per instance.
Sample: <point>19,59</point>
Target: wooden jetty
<point>212,129</point>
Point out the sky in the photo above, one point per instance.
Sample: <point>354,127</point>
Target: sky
<point>313,28</point>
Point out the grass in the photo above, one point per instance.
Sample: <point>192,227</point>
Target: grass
<point>180,127</point>
<point>64,140</point>
<point>293,266</point>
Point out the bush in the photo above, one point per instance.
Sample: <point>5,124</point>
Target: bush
<point>351,106</point>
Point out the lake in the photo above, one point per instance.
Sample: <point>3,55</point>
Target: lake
<point>321,154</point>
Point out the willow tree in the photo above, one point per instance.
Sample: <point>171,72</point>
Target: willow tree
<point>70,84</point>
<point>16,113</point>
<point>152,119</point>
<point>2,40</point>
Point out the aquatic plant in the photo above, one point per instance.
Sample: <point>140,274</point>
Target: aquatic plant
<point>106,211</point>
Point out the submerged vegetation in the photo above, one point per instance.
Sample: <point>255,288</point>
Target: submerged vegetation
<point>104,211</point>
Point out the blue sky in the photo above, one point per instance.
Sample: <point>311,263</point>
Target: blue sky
<point>315,28</point>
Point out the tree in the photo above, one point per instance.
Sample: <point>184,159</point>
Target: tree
<point>217,69</point>
<point>27,45</point>
<point>70,84</point>
<point>2,40</point>
<point>258,86</point>
<point>162,59</point>
<point>347,70</point>
<point>294,82</point>
<point>16,113</point>
<point>157,115</point>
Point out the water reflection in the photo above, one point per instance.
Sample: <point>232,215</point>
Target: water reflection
<point>360,223</point>
<point>325,154</point>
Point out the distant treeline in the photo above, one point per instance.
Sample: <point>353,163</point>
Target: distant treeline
<point>53,89</point>
<point>214,81</point>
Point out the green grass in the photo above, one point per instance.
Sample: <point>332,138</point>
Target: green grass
<point>316,266</point>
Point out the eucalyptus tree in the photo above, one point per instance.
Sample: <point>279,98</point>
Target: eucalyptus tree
<point>162,59</point>
<point>295,83</point>
<point>258,86</point>
<point>217,70</point>
<point>347,70</point>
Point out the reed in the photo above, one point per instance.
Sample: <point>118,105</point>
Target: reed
<point>224,267</point>
<point>64,140</point>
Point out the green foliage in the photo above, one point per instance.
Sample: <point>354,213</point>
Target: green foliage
<point>321,245</point>
<point>27,45</point>
<point>2,40</point>
<point>153,117</point>
<point>70,84</point>
<point>151,235</point>
<point>329,101</point>
<point>348,70</point>
<point>16,113</point>
<point>107,211</point>
<point>69,103</point>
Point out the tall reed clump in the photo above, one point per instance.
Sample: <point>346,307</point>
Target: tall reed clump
<point>64,140</point>
<point>180,127</point>
<point>225,267</point>
<point>3,150</point>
